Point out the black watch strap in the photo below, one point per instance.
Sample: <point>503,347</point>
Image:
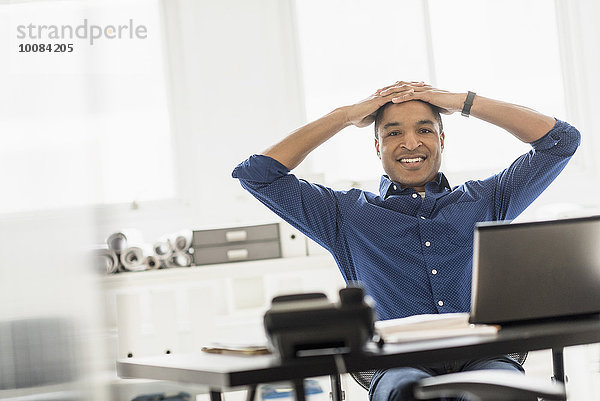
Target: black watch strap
<point>468,103</point>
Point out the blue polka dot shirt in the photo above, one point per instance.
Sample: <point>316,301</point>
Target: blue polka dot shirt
<point>413,255</point>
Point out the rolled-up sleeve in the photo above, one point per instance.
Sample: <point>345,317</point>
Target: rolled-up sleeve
<point>520,184</point>
<point>311,208</point>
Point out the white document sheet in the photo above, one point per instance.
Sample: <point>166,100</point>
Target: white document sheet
<point>426,327</point>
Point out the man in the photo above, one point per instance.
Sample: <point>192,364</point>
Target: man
<point>410,246</point>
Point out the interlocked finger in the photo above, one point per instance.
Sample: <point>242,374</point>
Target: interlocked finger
<point>403,83</point>
<point>402,97</point>
<point>397,83</point>
<point>404,88</point>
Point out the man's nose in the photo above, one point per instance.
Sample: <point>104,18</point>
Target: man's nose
<point>411,141</point>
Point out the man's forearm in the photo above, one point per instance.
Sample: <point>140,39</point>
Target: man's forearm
<point>526,124</point>
<point>294,148</point>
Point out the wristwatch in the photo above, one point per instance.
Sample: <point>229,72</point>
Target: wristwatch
<point>466,110</point>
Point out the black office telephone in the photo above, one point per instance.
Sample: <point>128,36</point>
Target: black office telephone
<point>309,324</point>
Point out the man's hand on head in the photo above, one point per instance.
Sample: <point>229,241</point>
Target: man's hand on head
<point>401,91</point>
<point>363,113</point>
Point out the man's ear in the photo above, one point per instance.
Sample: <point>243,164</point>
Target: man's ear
<point>377,148</point>
<point>442,137</point>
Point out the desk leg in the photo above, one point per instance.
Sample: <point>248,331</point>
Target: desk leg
<point>558,365</point>
<point>215,396</point>
<point>336,387</point>
<point>251,393</point>
<point>299,389</point>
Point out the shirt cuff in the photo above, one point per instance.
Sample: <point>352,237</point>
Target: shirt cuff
<point>260,168</point>
<point>562,133</point>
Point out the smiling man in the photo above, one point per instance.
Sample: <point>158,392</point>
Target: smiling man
<point>409,142</point>
<point>410,245</point>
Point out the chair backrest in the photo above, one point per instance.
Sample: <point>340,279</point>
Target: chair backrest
<point>37,352</point>
<point>364,377</point>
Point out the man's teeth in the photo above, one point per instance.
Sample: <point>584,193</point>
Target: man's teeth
<point>413,160</point>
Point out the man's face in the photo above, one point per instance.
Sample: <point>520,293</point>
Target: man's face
<point>409,144</point>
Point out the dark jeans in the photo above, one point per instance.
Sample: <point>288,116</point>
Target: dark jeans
<point>397,384</point>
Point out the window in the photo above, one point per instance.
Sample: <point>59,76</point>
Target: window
<point>501,53</point>
<point>351,48</point>
<point>88,126</point>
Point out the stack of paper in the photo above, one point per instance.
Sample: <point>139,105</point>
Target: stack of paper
<point>237,349</point>
<point>426,327</point>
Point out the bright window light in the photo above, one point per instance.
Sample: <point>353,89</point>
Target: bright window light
<point>89,126</point>
<point>504,50</point>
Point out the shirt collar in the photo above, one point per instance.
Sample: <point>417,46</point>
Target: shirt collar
<point>386,185</point>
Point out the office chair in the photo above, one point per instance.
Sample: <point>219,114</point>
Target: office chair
<point>483,385</point>
<point>38,357</point>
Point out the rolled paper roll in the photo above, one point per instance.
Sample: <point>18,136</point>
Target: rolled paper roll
<point>124,239</point>
<point>132,259</point>
<point>179,259</point>
<point>180,241</point>
<point>106,261</point>
<point>183,241</point>
<point>117,242</point>
<point>182,259</point>
<point>162,250</point>
<point>152,262</point>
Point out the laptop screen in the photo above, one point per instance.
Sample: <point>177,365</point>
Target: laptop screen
<point>539,270</point>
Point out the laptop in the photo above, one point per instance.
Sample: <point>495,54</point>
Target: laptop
<point>534,271</point>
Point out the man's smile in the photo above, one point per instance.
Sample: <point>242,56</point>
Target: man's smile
<point>412,162</point>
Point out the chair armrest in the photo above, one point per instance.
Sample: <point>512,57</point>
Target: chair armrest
<point>489,385</point>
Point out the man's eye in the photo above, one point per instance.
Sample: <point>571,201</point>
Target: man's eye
<point>393,133</point>
<point>426,130</point>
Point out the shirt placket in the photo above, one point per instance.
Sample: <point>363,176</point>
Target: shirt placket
<point>429,244</point>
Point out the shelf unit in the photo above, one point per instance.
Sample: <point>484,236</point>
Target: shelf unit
<point>182,309</point>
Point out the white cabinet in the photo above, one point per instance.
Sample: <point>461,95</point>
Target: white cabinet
<point>182,309</point>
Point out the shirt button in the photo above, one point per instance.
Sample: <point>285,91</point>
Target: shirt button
<point>395,188</point>
<point>423,217</point>
<point>427,243</point>
<point>415,195</point>
<point>441,303</point>
<point>434,271</point>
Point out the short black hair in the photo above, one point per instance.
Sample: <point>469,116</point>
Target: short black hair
<point>434,109</point>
